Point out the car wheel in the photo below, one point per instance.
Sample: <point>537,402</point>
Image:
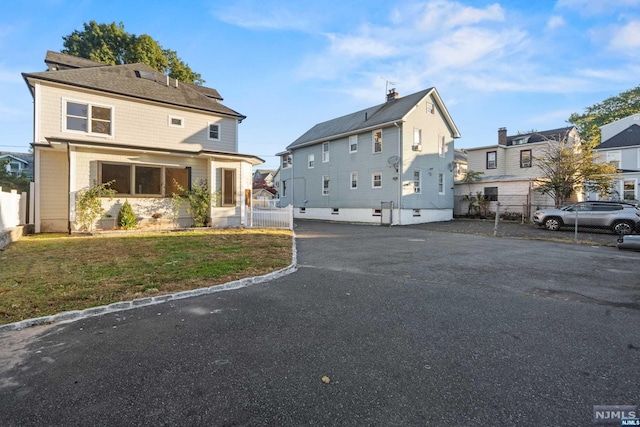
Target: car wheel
<point>552,224</point>
<point>623,227</point>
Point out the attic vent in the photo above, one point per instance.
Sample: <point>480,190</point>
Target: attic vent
<point>145,75</point>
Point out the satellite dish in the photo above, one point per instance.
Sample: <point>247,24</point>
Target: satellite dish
<point>393,161</point>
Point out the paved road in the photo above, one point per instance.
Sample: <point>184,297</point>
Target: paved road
<point>411,326</point>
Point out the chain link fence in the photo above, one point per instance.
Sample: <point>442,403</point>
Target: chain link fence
<point>578,220</point>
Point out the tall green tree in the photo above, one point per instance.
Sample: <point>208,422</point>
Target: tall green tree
<point>110,44</point>
<point>614,108</point>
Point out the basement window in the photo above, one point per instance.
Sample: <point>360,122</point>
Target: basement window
<point>335,211</point>
<point>377,212</point>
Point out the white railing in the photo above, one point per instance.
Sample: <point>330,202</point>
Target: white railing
<point>270,217</point>
<point>12,209</point>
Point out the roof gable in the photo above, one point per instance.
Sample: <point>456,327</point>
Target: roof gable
<point>390,111</point>
<point>138,81</point>
<point>627,138</point>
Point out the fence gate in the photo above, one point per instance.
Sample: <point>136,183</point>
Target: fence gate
<point>386,211</point>
<point>259,217</point>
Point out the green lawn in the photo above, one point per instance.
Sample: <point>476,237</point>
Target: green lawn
<point>46,274</point>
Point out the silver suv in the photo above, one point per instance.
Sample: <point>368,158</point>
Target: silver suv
<point>619,217</point>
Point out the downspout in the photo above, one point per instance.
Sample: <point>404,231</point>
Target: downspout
<point>69,190</point>
<point>400,168</point>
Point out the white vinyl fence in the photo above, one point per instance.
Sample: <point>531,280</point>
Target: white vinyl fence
<point>258,217</point>
<point>13,209</point>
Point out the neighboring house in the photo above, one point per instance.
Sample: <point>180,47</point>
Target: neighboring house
<point>130,124</point>
<point>390,163</point>
<point>509,172</point>
<point>18,163</point>
<point>263,176</point>
<point>620,144</point>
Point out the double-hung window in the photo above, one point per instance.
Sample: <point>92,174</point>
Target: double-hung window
<point>376,180</point>
<point>417,139</point>
<point>417,180</point>
<point>629,189</point>
<point>353,144</point>
<point>492,159</point>
<point>354,180</point>
<point>310,161</point>
<point>442,147</point>
<point>525,158</point>
<point>214,132</point>
<point>325,152</point>
<point>441,183</point>
<point>614,157</point>
<point>286,161</point>
<point>325,185</point>
<point>377,141</point>
<point>88,118</point>
<point>491,194</point>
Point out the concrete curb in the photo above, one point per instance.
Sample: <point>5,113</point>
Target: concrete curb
<point>70,316</point>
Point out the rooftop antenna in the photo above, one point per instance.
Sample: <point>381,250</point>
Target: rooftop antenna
<point>387,82</point>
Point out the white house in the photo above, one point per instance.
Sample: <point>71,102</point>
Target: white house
<point>135,127</point>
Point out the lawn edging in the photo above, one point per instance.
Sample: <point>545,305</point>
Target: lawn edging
<point>73,315</point>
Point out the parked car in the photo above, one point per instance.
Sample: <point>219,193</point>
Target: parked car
<point>619,217</point>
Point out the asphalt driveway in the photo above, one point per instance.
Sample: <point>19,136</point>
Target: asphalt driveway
<point>410,326</point>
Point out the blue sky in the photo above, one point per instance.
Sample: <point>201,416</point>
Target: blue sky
<point>288,65</point>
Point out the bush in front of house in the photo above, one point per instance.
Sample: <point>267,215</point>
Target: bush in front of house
<point>127,219</point>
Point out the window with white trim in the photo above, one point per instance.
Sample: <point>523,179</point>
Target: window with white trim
<point>417,180</point>
<point>286,161</point>
<point>214,132</point>
<point>354,180</point>
<point>376,180</point>
<point>629,189</point>
<point>88,118</point>
<point>430,108</point>
<point>441,183</point>
<point>417,139</point>
<point>325,152</point>
<point>614,157</point>
<point>176,122</point>
<point>377,141</point>
<point>310,161</point>
<point>442,146</point>
<point>353,143</point>
<point>284,188</point>
<point>145,180</point>
<point>325,185</point>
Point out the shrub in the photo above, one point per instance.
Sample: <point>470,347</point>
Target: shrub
<point>88,204</point>
<point>126,217</point>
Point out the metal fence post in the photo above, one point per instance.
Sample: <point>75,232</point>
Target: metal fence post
<point>575,228</point>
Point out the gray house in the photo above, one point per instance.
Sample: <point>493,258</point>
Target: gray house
<point>620,144</point>
<point>391,163</point>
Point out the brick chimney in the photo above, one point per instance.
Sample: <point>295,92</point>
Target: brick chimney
<point>502,136</point>
<point>392,95</point>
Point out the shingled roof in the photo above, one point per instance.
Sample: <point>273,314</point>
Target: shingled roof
<point>378,115</point>
<point>627,138</point>
<point>132,80</point>
<point>545,135</point>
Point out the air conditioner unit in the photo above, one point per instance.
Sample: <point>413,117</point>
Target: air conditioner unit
<point>417,147</point>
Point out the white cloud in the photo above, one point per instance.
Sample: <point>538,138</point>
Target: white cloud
<point>262,15</point>
<point>595,7</point>
<point>361,45</point>
<point>555,22</point>
<point>441,14</point>
<point>626,38</point>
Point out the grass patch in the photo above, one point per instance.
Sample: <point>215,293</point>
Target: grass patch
<point>47,274</point>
